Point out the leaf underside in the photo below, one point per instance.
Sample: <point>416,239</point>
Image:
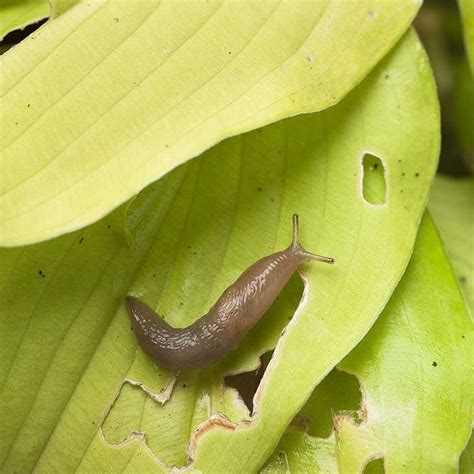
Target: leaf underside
<point>127,91</point>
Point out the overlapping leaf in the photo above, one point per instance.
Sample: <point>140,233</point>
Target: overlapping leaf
<point>70,359</point>
<point>112,95</point>
<point>415,368</point>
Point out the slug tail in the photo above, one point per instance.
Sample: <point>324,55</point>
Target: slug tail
<point>300,251</point>
<point>143,318</point>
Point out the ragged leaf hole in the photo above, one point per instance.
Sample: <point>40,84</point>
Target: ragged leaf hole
<point>246,383</point>
<point>374,185</point>
<point>339,393</point>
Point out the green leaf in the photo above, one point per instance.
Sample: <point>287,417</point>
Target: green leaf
<point>415,369</point>
<point>69,359</point>
<point>451,203</point>
<point>112,95</point>
<point>17,14</point>
<point>467,15</point>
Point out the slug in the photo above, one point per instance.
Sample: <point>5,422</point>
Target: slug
<point>236,311</point>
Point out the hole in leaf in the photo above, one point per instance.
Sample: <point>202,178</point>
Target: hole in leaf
<point>247,383</point>
<point>375,467</point>
<point>338,393</point>
<point>16,36</point>
<point>373,181</point>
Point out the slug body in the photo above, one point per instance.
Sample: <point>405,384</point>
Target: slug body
<point>219,331</point>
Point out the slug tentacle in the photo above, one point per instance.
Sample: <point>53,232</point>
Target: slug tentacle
<point>236,311</point>
<point>300,251</point>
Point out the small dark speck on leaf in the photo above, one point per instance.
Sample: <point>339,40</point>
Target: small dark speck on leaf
<point>403,174</point>
<point>194,253</point>
<point>189,246</point>
<point>272,200</point>
<point>108,226</point>
<point>154,274</point>
<point>417,174</point>
<point>184,385</point>
<point>434,364</point>
<point>131,328</point>
<point>41,274</point>
<point>181,303</point>
<point>387,76</point>
<point>16,123</point>
<point>462,279</point>
<point>375,166</point>
<point>230,52</point>
<point>259,189</point>
<point>29,105</point>
<point>463,336</point>
<point>81,240</point>
<point>399,161</point>
<point>116,20</point>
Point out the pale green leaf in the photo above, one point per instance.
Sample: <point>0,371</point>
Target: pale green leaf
<point>467,14</point>
<point>452,206</point>
<point>415,368</point>
<point>112,95</point>
<point>16,14</point>
<point>69,359</point>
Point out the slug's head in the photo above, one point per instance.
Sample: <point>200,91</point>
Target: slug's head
<point>299,251</point>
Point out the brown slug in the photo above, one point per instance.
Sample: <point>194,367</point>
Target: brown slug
<point>219,331</point>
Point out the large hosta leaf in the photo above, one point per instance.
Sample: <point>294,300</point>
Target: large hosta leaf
<point>16,14</point>
<point>69,361</point>
<point>415,368</point>
<point>112,95</point>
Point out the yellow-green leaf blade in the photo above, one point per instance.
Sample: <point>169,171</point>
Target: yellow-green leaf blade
<point>209,220</point>
<point>415,368</point>
<point>112,95</point>
<point>415,371</point>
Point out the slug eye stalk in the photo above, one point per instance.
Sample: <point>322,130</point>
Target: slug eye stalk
<point>298,249</point>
